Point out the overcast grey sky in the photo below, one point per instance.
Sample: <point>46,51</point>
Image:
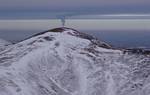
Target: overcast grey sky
<point>46,8</point>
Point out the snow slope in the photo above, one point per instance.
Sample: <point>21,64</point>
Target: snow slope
<point>64,61</point>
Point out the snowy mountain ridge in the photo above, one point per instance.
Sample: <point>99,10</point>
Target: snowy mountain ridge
<point>63,61</point>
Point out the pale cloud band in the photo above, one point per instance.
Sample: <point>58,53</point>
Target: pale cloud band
<point>82,24</point>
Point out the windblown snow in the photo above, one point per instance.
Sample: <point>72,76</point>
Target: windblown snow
<point>63,61</point>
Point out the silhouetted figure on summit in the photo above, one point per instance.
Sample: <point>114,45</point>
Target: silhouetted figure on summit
<point>63,20</point>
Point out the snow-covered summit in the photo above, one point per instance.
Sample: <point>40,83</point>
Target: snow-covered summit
<point>63,61</point>
<point>72,32</point>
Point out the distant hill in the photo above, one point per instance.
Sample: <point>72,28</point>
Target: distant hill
<point>3,44</point>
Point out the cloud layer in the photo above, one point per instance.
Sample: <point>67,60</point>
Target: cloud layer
<point>59,5</point>
<point>30,9</point>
